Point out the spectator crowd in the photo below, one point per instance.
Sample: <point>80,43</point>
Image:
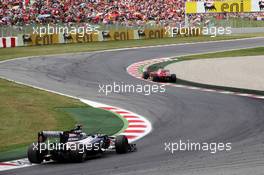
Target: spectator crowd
<point>124,12</point>
<point>127,12</point>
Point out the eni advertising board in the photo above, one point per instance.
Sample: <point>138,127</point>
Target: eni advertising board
<point>232,6</point>
<point>36,39</point>
<point>117,35</point>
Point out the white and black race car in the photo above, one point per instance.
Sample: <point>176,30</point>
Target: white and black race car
<point>75,146</point>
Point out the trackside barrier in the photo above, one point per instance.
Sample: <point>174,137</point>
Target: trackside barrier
<point>8,42</point>
<point>116,35</point>
<point>35,40</point>
<point>105,35</point>
<point>79,38</point>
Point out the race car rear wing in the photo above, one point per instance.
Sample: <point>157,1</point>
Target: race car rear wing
<point>43,135</point>
<point>51,133</point>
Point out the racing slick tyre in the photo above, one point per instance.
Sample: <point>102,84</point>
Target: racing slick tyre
<point>155,78</point>
<point>173,78</point>
<point>121,144</point>
<point>78,155</point>
<point>34,156</point>
<point>145,75</point>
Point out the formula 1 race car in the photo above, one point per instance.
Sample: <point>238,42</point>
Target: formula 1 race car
<point>160,75</point>
<point>75,146</point>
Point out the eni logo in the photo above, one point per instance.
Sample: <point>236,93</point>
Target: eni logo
<point>86,38</point>
<point>233,7</point>
<point>209,6</point>
<point>156,34</point>
<point>121,35</point>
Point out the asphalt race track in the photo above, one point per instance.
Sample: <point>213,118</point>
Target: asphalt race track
<point>177,114</point>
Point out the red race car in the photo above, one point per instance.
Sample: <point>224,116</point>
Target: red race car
<point>160,76</point>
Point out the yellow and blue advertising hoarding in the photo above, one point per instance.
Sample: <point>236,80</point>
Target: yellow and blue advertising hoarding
<point>228,6</point>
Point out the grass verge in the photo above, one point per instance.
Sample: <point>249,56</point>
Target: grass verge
<point>24,111</point>
<point>234,53</point>
<point>96,120</point>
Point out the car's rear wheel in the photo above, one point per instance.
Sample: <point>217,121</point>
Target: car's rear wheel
<point>78,155</point>
<point>173,78</point>
<point>145,75</point>
<point>121,144</point>
<point>34,155</point>
<point>155,78</point>
<point>58,157</point>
